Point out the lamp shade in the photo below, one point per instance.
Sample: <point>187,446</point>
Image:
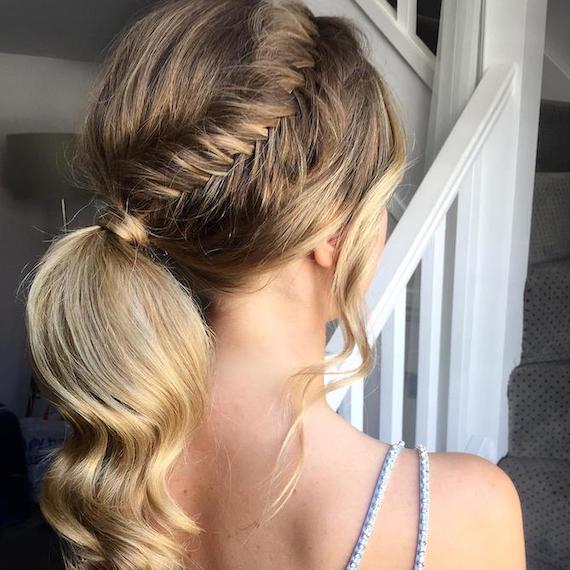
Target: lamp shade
<point>38,166</point>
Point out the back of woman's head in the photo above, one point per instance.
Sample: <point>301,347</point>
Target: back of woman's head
<point>225,138</point>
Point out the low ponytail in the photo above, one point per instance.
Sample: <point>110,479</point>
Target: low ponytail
<point>122,350</point>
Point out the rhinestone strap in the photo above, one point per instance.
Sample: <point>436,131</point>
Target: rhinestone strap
<point>378,497</point>
<point>375,505</point>
<point>419,563</point>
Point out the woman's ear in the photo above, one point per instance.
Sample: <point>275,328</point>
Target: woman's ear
<point>326,251</point>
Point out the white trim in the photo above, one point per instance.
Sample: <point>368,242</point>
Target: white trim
<point>412,49</point>
<point>407,15</point>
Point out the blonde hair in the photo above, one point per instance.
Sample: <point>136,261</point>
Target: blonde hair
<point>226,138</point>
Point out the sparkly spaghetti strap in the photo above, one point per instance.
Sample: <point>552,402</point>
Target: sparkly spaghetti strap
<point>376,503</point>
<point>421,547</point>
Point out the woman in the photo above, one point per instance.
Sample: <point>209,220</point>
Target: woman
<point>245,151</point>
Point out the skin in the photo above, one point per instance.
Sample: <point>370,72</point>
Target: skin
<point>475,516</point>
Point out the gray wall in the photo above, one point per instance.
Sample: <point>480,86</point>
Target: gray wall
<point>556,71</point>
<point>37,94</point>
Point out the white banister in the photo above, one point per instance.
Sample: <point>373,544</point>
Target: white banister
<point>466,228</point>
<point>392,360</point>
<point>426,212</point>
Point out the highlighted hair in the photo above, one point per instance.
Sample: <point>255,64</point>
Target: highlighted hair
<point>226,138</point>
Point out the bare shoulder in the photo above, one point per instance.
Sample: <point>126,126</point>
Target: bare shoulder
<point>477,515</point>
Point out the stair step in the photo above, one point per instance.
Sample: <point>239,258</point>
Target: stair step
<point>533,563</point>
<point>550,229</point>
<point>543,486</point>
<point>539,411</point>
<point>553,154</point>
<point>546,331</point>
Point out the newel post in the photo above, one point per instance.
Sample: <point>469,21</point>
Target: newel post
<point>498,238</point>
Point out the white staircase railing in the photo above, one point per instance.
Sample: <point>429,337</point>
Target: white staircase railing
<point>485,171</point>
<point>418,238</point>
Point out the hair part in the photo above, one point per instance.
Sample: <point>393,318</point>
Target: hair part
<point>225,139</point>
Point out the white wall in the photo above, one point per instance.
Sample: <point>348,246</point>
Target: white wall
<point>555,83</point>
<point>557,44</point>
<point>556,70</point>
<point>37,94</point>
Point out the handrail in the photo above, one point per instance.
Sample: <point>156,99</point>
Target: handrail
<point>429,206</point>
